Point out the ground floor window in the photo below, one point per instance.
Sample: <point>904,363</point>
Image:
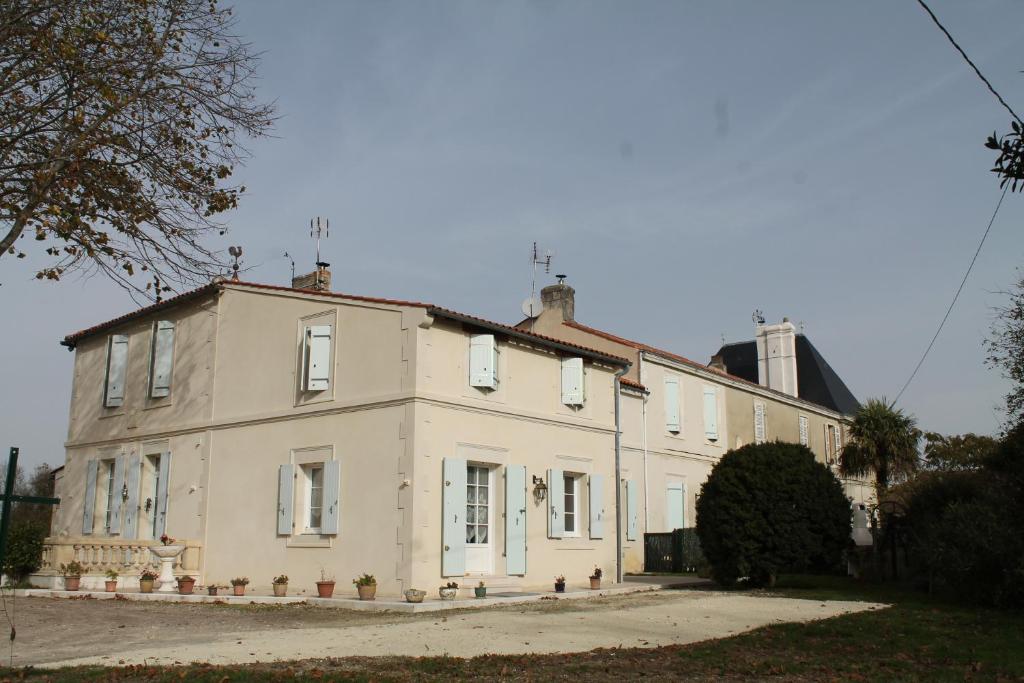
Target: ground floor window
<point>314,481</point>
<point>571,483</point>
<point>111,501</point>
<point>478,496</point>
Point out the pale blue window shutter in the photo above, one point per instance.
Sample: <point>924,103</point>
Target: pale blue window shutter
<point>161,493</point>
<point>596,495</point>
<point>710,413</point>
<point>515,520</point>
<point>631,519</point>
<point>285,499</point>
<point>89,505</point>
<point>131,506</point>
<point>803,431</point>
<point>556,504</point>
<point>115,504</point>
<point>318,357</point>
<point>483,355</point>
<point>117,367</point>
<point>760,426</point>
<point>572,381</point>
<point>453,532</point>
<point>163,359</point>
<point>672,413</point>
<point>332,497</point>
<point>674,502</point>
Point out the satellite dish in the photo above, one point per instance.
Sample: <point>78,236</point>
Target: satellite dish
<point>532,306</point>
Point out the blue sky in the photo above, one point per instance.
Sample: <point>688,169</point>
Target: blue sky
<point>687,162</point>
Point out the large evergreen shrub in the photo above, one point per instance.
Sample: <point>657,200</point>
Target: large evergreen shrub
<point>24,549</point>
<point>768,508</point>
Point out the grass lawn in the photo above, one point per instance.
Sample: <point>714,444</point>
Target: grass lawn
<point>917,639</point>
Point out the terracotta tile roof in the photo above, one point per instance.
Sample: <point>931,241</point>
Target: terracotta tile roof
<point>632,385</point>
<point>72,339</point>
<point>640,346</point>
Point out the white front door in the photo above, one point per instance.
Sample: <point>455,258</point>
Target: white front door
<point>479,519</point>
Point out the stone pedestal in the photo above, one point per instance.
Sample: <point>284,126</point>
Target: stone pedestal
<point>167,554</point>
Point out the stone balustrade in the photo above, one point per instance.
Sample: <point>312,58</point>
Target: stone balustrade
<point>125,556</point>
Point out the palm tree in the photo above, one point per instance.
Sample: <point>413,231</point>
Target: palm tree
<point>883,440</point>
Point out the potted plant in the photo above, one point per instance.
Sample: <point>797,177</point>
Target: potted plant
<point>325,586</point>
<point>366,586</point>
<point>111,582</point>
<point>415,595</point>
<point>448,591</point>
<point>595,579</point>
<point>212,589</point>
<point>239,583</point>
<point>281,585</point>
<point>146,580</point>
<point>72,573</point>
<point>480,590</point>
<point>186,584</point>
<point>560,584</point>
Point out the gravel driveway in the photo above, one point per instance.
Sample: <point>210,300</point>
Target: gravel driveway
<point>66,632</point>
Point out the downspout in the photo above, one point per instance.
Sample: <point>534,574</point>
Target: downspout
<point>618,475</point>
<point>643,408</point>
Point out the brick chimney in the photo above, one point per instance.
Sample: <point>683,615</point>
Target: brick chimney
<point>559,298</point>
<point>776,357</point>
<point>319,279</point>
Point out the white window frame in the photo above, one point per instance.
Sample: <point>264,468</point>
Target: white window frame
<point>488,506</point>
<point>308,470</point>
<point>109,466</point>
<point>576,511</point>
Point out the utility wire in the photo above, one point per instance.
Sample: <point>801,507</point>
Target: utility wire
<point>955,297</point>
<point>968,60</point>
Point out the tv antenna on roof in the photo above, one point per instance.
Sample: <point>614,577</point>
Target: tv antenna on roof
<point>320,228</point>
<point>533,306</point>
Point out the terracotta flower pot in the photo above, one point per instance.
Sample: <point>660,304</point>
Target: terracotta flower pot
<point>367,592</point>
<point>185,586</point>
<point>325,589</point>
<point>71,583</point>
<point>146,585</point>
<point>595,583</point>
<point>238,590</point>
<point>111,586</point>
<point>280,590</point>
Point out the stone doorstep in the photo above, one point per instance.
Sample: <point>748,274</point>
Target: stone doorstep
<point>429,604</point>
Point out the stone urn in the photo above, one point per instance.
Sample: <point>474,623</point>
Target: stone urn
<point>415,595</point>
<point>447,593</point>
<point>167,554</point>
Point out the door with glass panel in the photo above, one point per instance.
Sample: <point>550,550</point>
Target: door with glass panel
<point>479,519</point>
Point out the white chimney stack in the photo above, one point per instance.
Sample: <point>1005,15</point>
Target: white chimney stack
<point>776,357</point>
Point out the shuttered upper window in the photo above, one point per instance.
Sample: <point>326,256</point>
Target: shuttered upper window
<point>710,413</point>
<point>672,401</point>
<point>483,361</point>
<point>117,368</point>
<point>316,359</point>
<point>573,390</point>
<point>161,361</point>
<point>804,436</point>
<point>760,423</point>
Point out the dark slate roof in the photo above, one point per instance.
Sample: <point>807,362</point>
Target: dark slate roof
<point>816,381</point>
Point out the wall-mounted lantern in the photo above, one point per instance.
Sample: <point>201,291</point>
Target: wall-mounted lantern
<point>540,489</point>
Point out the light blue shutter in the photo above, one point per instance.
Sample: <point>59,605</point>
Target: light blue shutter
<point>596,495</point>
<point>117,366</point>
<point>674,501</point>
<point>89,506</point>
<point>131,507</point>
<point>759,423</point>
<point>572,381</point>
<point>483,371</point>
<point>710,413</point>
<point>630,510</point>
<point>318,341</point>
<point>556,504</point>
<point>672,417</point>
<point>515,520</point>
<point>285,499</point>
<point>453,555</point>
<point>803,431</point>
<point>115,504</point>
<point>161,493</point>
<point>163,359</point>
<point>332,497</point>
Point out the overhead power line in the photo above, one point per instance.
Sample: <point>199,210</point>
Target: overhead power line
<point>968,60</point>
<point>955,297</point>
